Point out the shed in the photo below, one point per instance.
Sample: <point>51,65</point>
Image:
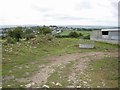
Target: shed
<point>107,35</point>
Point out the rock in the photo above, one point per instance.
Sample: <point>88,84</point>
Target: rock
<point>98,86</point>
<point>8,85</point>
<point>46,86</point>
<point>70,87</point>
<point>58,84</point>
<point>32,83</point>
<point>20,67</point>
<point>78,86</point>
<point>69,80</point>
<point>27,73</point>
<point>53,82</point>
<point>90,80</point>
<point>103,83</point>
<point>28,85</point>
<point>8,77</point>
<point>84,82</point>
<point>21,85</point>
<point>34,47</point>
<point>26,66</point>
<point>10,71</point>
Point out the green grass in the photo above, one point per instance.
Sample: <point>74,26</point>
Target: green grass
<point>66,32</point>
<point>104,70</point>
<point>25,53</point>
<point>60,76</point>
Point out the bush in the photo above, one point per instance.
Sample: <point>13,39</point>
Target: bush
<point>80,34</point>
<point>16,33</point>
<point>29,36</point>
<point>11,40</point>
<point>49,37</point>
<point>87,37</point>
<point>44,30</point>
<point>73,34</point>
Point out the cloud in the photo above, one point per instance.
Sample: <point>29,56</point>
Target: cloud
<point>43,9</point>
<point>59,12</point>
<point>83,5</point>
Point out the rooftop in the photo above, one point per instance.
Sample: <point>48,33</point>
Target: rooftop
<point>116,29</point>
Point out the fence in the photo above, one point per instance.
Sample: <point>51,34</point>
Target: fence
<point>86,43</point>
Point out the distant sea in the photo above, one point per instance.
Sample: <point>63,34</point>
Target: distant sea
<point>69,26</point>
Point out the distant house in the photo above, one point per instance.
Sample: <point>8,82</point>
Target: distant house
<point>106,35</point>
<point>1,32</point>
<point>57,31</point>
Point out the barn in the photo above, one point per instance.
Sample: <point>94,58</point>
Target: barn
<point>106,35</point>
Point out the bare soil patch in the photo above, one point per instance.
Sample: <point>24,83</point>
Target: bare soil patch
<point>81,64</point>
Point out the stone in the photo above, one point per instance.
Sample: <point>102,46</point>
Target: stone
<point>46,86</point>
<point>84,82</point>
<point>78,86</point>
<point>53,82</point>
<point>58,84</point>
<point>28,85</point>
<point>21,85</point>
<point>70,87</point>
<point>98,86</point>
<point>32,83</point>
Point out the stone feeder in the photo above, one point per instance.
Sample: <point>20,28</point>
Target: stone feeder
<point>86,44</point>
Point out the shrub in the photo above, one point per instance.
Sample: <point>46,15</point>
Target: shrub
<point>87,37</point>
<point>11,40</point>
<point>73,34</point>
<point>16,33</point>
<point>49,37</point>
<point>80,34</point>
<point>44,30</point>
<point>29,36</point>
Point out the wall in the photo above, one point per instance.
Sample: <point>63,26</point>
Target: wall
<point>96,34</point>
<point>111,38</point>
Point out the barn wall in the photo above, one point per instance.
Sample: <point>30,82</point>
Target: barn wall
<point>95,34</point>
<point>112,36</point>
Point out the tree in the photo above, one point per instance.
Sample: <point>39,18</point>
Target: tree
<point>80,34</point>
<point>16,33</point>
<point>28,31</point>
<point>44,30</point>
<point>10,33</point>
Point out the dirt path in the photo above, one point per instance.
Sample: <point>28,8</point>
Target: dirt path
<point>81,64</point>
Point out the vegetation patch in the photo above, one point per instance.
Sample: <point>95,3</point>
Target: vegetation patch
<point>103,73</point>
<point>60,77</point>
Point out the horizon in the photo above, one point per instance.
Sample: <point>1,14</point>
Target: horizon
<point>60,25</point>
<point>68,26</point>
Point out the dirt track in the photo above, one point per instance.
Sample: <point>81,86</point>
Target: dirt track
<point>81,58</point>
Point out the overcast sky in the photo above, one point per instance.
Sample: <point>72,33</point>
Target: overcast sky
<point>59,12</point>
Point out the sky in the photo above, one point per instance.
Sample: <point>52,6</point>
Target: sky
<point>59,12</point>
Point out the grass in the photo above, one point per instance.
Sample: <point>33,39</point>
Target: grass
<point>17,56</point>
<point>60,76</point>
<point>66,32</point>
<point>103,73</point>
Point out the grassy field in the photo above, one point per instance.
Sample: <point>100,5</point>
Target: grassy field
<point>66,32</point>
<point>24,59</point>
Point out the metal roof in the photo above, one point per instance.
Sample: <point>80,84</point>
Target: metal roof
<point>110,29</point>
